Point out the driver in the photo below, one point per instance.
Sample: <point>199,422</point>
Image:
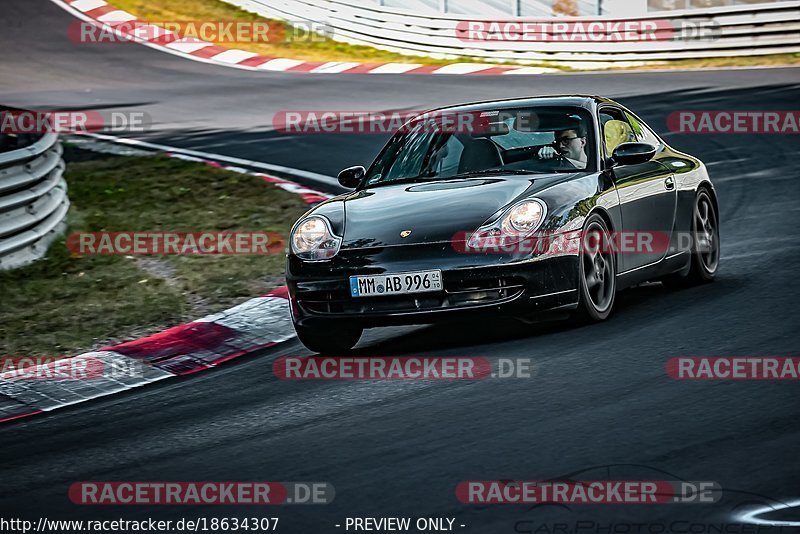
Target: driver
<point>570,145</point>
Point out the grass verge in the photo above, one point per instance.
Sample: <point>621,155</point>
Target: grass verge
<point>772,60</point>
<point>67,303</point>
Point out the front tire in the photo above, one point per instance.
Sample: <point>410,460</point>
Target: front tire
<point>336,340</point>
<point>705,245</point>
<point>597,272</point>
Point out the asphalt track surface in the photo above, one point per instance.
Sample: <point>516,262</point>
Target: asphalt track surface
<point>600,396</point>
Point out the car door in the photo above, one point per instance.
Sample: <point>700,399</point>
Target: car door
<point>647,192</point>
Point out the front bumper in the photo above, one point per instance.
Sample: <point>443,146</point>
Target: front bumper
<point>473,284</point>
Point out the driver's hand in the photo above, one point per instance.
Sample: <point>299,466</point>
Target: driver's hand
<point>548,152</point>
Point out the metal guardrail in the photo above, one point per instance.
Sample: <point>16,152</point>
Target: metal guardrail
<point>33,201</point>
<point>744,30</point>
<point>490,8</point>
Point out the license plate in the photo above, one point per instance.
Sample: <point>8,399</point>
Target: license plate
<point>396,284</point>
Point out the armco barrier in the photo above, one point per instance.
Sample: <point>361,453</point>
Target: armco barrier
<point>33,201</point>
<point>743,30</point>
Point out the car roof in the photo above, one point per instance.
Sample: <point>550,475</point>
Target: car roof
<point>581,101</point>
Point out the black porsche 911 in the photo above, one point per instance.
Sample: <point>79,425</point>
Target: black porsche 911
<point>406,246</point>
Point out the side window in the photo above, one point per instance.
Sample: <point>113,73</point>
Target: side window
<point>412,155</point>
<point>642,132</point>
<point>616,129</point>
<point>445,161</point>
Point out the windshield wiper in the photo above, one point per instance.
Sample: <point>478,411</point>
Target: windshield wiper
<point>432,177</point>
<point>409,180</point>
<point>497,171</point>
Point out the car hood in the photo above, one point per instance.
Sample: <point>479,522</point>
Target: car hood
<point>432,211</point>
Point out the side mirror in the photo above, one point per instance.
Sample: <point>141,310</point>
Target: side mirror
<point>633,153</point>
<point>351,177</point>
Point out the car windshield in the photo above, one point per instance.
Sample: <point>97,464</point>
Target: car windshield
<point>507,141</point>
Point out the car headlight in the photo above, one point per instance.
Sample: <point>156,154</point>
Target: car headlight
<point>517,223</point>
<point>313,239</point>
<point>523,219</point>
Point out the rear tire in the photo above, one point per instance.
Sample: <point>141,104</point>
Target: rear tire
<point>705,245</point>
<point>337,341</point>
<point>597,272</point>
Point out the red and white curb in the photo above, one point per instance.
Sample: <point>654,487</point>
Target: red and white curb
<point>259,323</point>
<point>101,12</point>
<point>256,324</point>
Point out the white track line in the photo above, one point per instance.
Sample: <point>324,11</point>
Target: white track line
<point>308,175</point>
<point>280,64</point>
<point>395,68</point>
<point>87,5</point>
